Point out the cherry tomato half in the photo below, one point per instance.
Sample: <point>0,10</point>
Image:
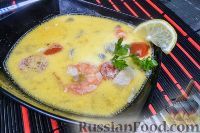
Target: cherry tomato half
<point>53,49</point>
<point>139,48</point>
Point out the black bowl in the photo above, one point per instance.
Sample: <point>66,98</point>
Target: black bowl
<point>19,22</point>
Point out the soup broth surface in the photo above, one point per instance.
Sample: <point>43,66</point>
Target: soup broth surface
<point>80,39</point>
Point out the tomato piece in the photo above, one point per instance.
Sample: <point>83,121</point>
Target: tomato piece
<point>139,48</point>
<point>53,49</point>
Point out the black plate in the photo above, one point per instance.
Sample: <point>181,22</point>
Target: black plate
<point>17,24</point>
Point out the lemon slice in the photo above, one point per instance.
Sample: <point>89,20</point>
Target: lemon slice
<point>159,32</point>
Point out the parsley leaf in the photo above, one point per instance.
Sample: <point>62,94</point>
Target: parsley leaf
<point>119,63</point>
<point>145,64</point>
<point>119,59</point>
<point>120,50</point>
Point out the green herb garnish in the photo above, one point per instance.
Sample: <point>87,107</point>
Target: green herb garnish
<point>119,63</point>
<point>145,64</point>
<point>120,55</point>
<point>120,50</point>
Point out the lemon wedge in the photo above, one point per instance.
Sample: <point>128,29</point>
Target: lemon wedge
<point>159,32</point>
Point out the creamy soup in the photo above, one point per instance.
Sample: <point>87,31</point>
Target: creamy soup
<point>66,63</point>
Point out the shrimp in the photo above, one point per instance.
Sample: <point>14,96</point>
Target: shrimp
<point>86,78</point>
<point>37,63</point>
<point>108,71</point>
<point>119,32</point>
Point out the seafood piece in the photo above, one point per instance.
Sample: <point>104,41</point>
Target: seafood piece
<point>88,79</point>
<point>109,48</point>
<point>73,71</point>
<point>108,71</point>
<point>124,77</point>
<point>101,56</point>
<point>37,63</point>
<point>119,32</point>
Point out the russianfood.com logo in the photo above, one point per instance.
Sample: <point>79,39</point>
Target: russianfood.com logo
<point>139,127</point>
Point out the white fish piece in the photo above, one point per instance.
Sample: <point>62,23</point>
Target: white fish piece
<point>109,48</point>
<point>101,56</point>
<point>73,71</point>
<point>124,77</point>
